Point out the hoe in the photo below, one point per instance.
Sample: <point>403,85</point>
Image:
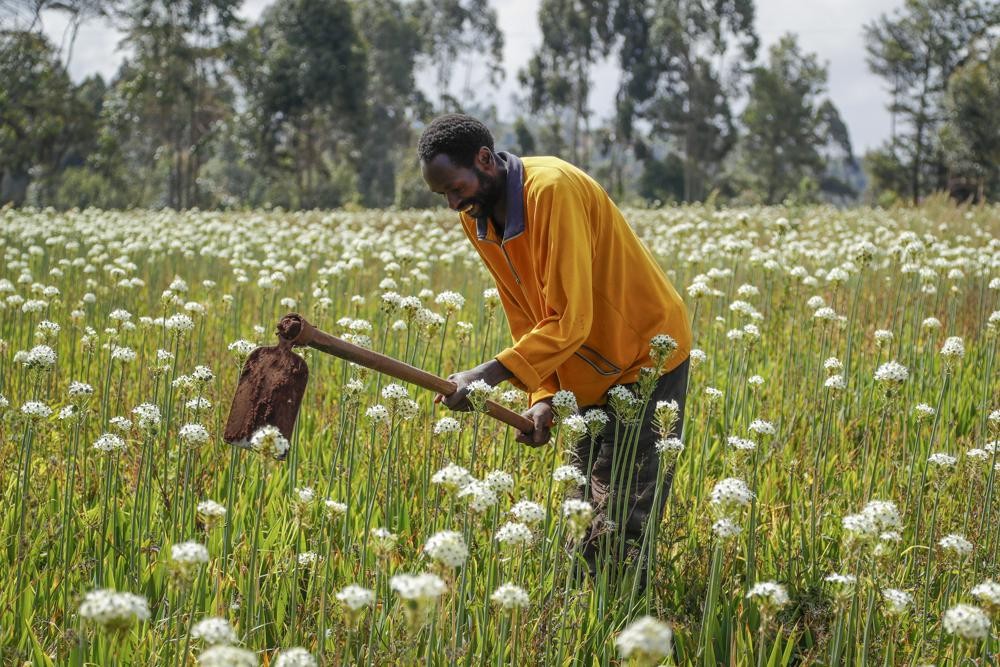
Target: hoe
<point>274,379</point>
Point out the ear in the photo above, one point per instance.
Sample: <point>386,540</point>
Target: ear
<point>484,158</point>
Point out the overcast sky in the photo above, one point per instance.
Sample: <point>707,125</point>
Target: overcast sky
<point>830,28</point>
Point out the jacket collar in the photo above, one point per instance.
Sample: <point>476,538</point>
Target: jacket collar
<point>515,200</point>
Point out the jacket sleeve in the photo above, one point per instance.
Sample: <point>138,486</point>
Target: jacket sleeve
<point>565,243</point>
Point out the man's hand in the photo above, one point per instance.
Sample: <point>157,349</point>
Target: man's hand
<point>492,373</point>
<point>542,416</point>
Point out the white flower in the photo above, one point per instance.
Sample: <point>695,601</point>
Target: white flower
<point>334,508</point>
<point>769,595</point>
<point>36,410</point>
<point>579,514</point>
<point>564,403</point>
<point>356,597</point>
<point>859,527</point>
<point>308,558</point>
<point>425,587</point>
<point>123,355</point>
<point>147,416</point>
<point>741,444</point>
<point>891,373</point>
<point>452,477</point>
<point>967,622</point>
<point>383,541</point>
<point>762,427</point>
<point>825,313</point>
<point>672,446</point>
<point>528,512</point>
<point>394,392</point>
<point>514,534</point>
<point>295,657</point>
<point>188,554</point>
<point>203,374</point>
<point>646,639</point>
<point>833,365</point>
<point>178,324</point>
<point>755,381</point>
<point>451,301</point>
<point>815,302</point>
<point>227,656</point>
<point>883,514</point>
<point>80,390</point>
<point>883,337</point>
<point>726,528</point>
<point>988,593</point>
<point>193,435</point>
<point>213,631</point>
<point>109,442</point>
<point>269,441</point>
<point>953,348</point>
<point>897,602</point>
<point>713,395</point>
<point>40,357</point>
<point>210,512</point>
<point>481,496</point>
<point>509,596</point>
<point>957,544</point>
<point>697,357</point>
<point>931,324</point>
<point>305,495</point>
<point>242,348</point>
<point>842,584</point>
<point>922,411</point>
<point>122,424</point>
<point>448,548</point>
<point>199,404</point>
<point>569,475</point>
<point>114,610</point>
<point>835,383</point>
<point>446,425</point>
<point>731,494</point>
<point>377,413</point>
<point>500,481</point>
<point>941,460</point>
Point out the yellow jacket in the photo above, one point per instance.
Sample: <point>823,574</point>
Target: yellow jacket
<point>582,294</point>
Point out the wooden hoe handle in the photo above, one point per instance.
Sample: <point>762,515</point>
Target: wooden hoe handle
<point>324,342</point>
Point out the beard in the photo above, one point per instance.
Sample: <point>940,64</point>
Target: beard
<point>487,195</point>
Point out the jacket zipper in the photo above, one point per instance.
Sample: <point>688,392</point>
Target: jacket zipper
<point>517,278</point>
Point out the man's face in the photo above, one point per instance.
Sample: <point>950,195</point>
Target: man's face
<point>472,190</point>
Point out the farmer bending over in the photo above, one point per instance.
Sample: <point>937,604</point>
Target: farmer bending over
<point>583,297</point>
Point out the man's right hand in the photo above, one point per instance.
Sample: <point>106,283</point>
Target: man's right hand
<point>542,416</point>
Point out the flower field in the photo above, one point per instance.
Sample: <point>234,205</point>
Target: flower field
<point>835,497</point>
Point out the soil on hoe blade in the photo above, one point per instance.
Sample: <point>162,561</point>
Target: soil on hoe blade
<point>270,389</point>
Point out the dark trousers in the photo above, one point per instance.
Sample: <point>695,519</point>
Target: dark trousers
<point>622,465</point>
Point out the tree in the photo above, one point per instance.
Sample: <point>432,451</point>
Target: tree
<point>970,134</point>
<point>457,34</point>
<point>671,80</point>
<point>305,78</point>
<point>393,44</point>
<point>786,123</point>
<point>915,50</point>
<point>175,85</point>
<point>36,110</point>
<point>575,35</point>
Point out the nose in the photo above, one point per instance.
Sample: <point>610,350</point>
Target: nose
<point>453,201</point>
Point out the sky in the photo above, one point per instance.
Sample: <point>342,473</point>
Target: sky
<point>832,29</point>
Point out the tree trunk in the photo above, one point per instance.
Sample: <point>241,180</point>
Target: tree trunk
<point>14,186</point>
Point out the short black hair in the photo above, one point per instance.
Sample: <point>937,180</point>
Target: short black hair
<point>456,135</point>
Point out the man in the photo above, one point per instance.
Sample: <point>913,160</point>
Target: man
<point>583,298</point>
